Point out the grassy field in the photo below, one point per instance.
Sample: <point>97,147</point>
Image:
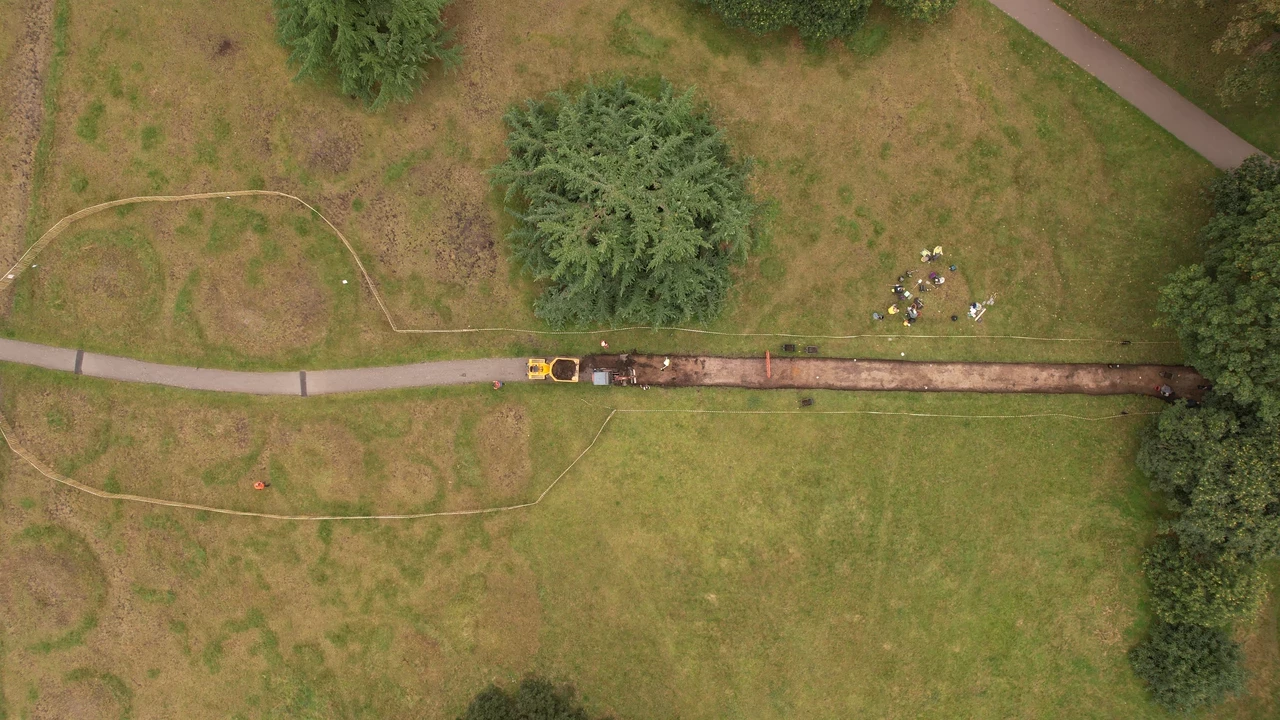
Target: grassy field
<point>696,566</point>
<point>1045,190</point>
<point>1175,40</point>
<point>692,566</point>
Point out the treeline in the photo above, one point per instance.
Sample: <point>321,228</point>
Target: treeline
<point>818,20</point>
<point>1218,464</point>
<point>379,51</point>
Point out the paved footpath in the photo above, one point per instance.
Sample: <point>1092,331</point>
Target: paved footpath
<point>316,382</point>
<point>1130,81</point>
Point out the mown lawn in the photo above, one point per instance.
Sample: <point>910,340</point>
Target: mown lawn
<point>699,566</point>
<point>1049,193</point>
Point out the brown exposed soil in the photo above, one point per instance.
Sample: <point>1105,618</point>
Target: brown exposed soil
<point>89,699</point>
<point>469,241</point>
<point>502,441</point>
<point>49,590</point>
<point>261,317</point>
<point>852,374</point>
<point>224,47</point>
<point>24,114</point>
<point>331,149</point>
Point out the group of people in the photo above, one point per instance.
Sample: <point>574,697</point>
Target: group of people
<point>913,302</point>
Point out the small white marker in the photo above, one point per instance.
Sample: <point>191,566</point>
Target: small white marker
<point>344,282</point>
<point>903,354</point>
<point>9,276</point>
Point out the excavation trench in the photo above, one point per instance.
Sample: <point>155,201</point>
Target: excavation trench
<point>862,374</point>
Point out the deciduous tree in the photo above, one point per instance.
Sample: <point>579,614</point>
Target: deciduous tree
<point>1188,666</point>
<point>1226,310</point>
<point>926,10</point>
<point>816,20</point>
<point>534,699</point>
<point>1213,591</point>
<point>1222,476</point>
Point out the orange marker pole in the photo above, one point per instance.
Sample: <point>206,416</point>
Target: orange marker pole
<point>768,367</point>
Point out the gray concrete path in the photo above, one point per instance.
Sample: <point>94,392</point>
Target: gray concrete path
<point>317,382</point>
<point>1130,81</point>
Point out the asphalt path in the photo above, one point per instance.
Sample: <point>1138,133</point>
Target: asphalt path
<point>1131,81</point>
<point>305,383</point>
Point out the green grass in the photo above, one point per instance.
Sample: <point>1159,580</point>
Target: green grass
<point>690,565</point>
<point>1174,40</point>
<point>1046,190</point>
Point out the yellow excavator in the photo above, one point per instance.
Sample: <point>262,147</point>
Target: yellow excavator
<point>561,369</point>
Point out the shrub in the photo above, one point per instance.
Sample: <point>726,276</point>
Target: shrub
<point>629,205</point>
<point>1188,666</point>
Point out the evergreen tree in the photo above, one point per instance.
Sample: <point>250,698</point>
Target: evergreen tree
<point>377,48</point>
<point>629,205</point>
<point>534,699</point>
<point>1187,666</point>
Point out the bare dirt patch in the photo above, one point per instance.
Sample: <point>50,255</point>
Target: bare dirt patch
<point>469,244</point>
<point>502,444</point>
<point>83,699</point>
<point>330,149</point>
<point>44,592</point>
<point>287,310</point>
<point>23,114</point>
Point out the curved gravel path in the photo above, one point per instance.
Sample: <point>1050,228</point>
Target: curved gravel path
<point>1130,81</point>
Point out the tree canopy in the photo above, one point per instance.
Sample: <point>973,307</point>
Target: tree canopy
<point>534,699</point>
<point>1226,310</point>
<point>1186,666</point>
<point>1190,589</point>
<point>818,20</point>
<point>630,206</point>
<point>1222,476</point>
<point>1254,34</point>
<point>377,48</point>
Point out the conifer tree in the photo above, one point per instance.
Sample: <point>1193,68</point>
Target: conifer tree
<point>377,48</point>
<point>629,204</point>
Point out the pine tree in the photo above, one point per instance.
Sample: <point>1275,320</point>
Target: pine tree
<point>630,205</point>
<point>377,48</point>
